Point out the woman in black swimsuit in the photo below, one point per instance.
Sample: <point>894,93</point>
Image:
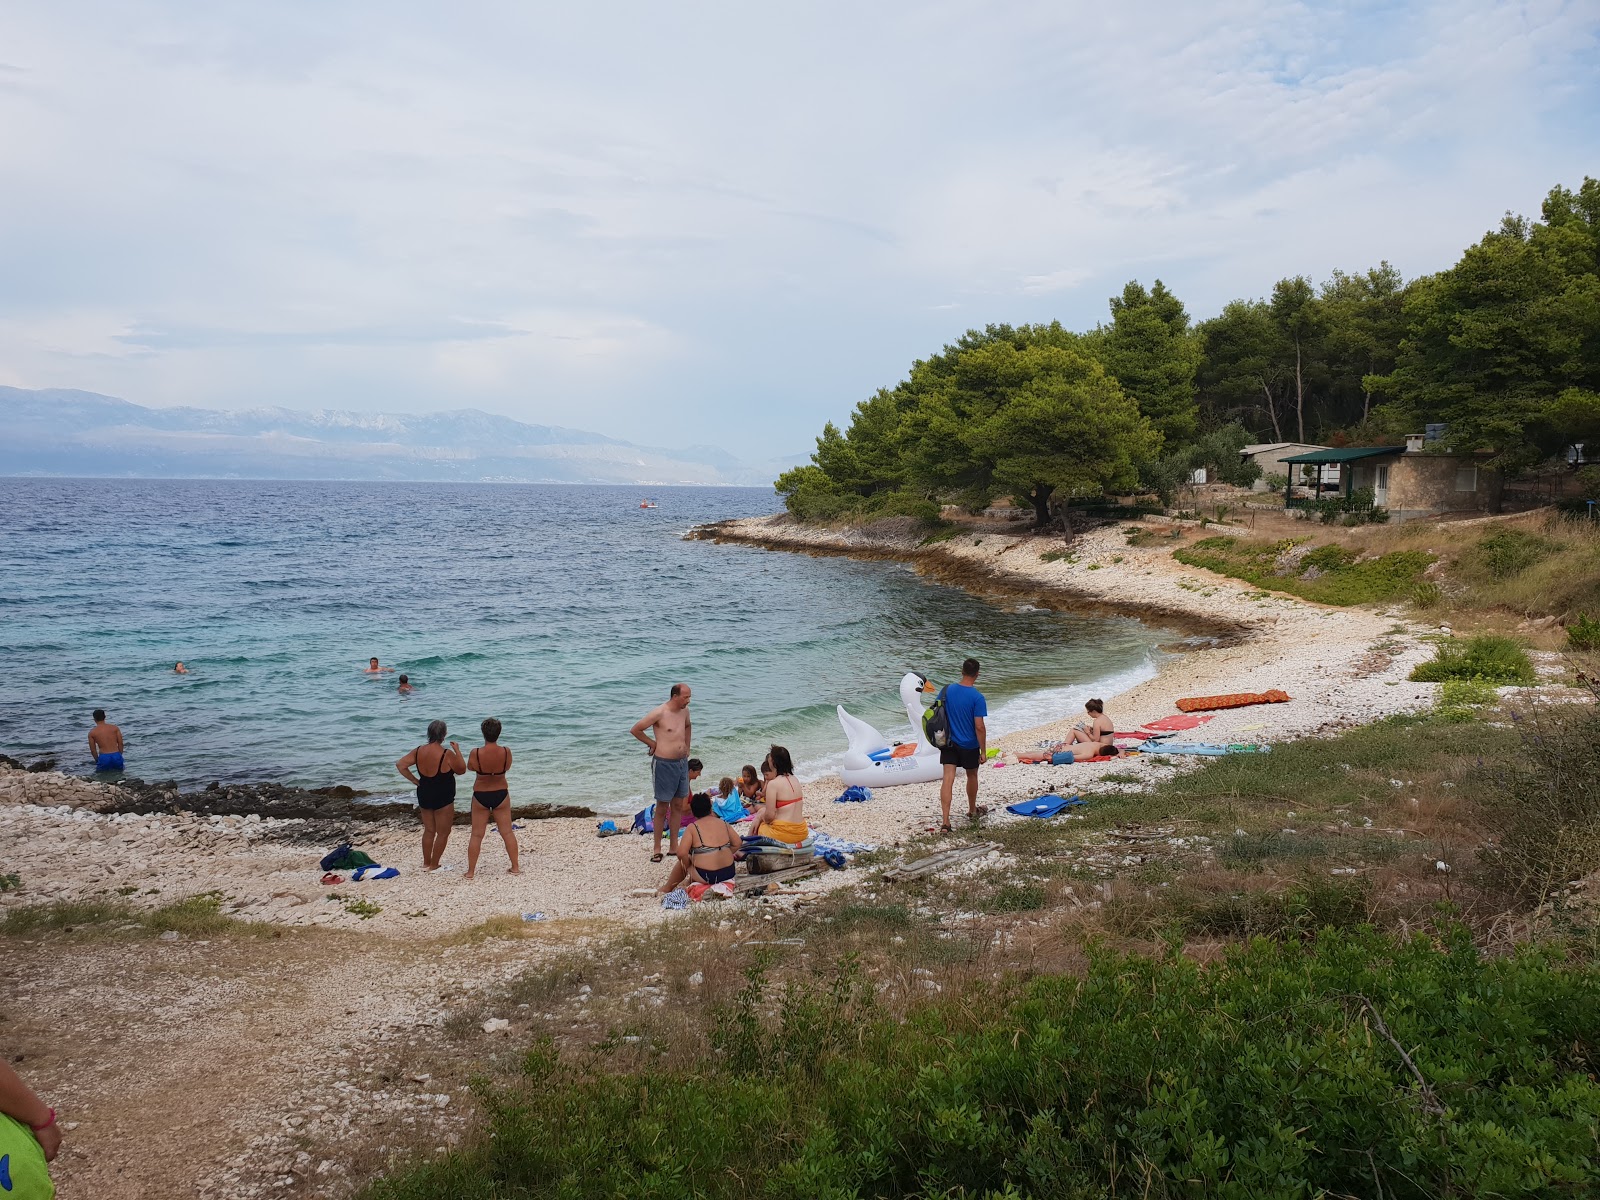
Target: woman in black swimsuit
<point>438,765</point>
<point>705,849</point>
<point>490,797</point>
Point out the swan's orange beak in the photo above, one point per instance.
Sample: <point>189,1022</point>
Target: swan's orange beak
<point>927,686</point>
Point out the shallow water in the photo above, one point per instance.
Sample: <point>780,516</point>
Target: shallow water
<point>565,611</point>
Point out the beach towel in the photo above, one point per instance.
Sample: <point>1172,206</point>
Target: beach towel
<point>1209,748</point>
<point>677,899</point>
<point>1045,806</point>
<point>854,794</point>
<point>822,842</point>
<point>1233,700</point>
<point>1168,724</point>
<point>792,832</point>
<point>375,871</point>
<point>1033,757</point>
<point>343,858</point>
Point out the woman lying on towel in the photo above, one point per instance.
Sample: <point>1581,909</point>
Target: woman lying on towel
<point>782,814</point>
<point>1093,737</point>
<point>705,849</point>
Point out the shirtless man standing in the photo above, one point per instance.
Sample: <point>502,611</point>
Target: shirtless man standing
<point>669,762</point>
<point>105,743</point>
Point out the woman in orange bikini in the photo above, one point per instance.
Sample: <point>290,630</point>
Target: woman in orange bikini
<point>490,797</point>
<point>782,814</point>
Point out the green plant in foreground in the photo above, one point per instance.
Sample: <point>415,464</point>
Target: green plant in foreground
<point>1351,1064</point>
<point>362,907</point>
<point>10,882</point>
<point>1487,657</point>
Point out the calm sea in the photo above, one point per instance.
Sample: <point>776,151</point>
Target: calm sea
<point>567,612</point>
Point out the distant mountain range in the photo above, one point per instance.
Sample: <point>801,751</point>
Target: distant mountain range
<point>65,432</point>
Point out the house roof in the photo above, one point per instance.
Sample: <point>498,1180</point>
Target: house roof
<point>1263,447</point>
<point>1346,454</point>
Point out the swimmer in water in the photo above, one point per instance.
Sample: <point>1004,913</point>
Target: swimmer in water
<point>373,668</point>
<point>180,669</point>
<point>405,688</point>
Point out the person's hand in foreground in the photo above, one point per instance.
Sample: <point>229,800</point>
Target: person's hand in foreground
<point>18,1100</point>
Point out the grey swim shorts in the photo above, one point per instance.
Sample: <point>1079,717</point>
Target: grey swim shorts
<point>671,778</point>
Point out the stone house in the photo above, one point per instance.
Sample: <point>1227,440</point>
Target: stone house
<point>1271,456</point>
<point>1407,480</point>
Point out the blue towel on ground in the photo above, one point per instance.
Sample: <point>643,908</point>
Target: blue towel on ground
<point>1045,806</point>
<point>376,871</point>
<point>676,899</point>
<point>729,808</point>
<point>1188,748</point>
<point>853,794</point>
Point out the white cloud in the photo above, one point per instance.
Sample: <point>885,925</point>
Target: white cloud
<point>559,211</point>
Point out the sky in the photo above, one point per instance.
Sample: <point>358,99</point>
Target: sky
<point>720,223</point>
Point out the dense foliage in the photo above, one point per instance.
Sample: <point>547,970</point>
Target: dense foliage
<point>1502,349</point>
<point>1351,1064</point>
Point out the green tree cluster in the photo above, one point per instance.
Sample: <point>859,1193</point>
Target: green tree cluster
<point>1503,349</point>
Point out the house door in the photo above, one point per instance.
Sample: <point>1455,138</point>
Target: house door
<point>1380,486</point>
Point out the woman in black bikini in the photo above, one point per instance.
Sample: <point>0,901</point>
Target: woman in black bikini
<point>489,797</point>
<point>705,849</point>
<point>438,765</point>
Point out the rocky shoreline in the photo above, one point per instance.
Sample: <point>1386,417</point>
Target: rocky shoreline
<point>315,810</point>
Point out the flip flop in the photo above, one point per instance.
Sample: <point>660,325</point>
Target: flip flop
<point>655,858</point>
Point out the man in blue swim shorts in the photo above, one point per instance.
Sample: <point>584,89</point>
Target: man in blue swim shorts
<point>669,763</point>
<point>105,743</point>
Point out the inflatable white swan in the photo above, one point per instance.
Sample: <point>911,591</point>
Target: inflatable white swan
<point>873,762</point>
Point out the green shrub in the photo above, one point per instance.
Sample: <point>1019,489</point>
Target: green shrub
<point>1275,482</point>
<point>1328,558</point>
<point>1459,699</point>
<point>1547,833</point>
<point>1488,657</point>
<point>1427,595</point>
<point>1272,1072</point>
<point>1505,553</point>
<point>1584,633</point>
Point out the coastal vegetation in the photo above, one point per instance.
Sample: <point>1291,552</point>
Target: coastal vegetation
<point>1498,350</point>
<point>1328,574</point>
<point>1379,981</point>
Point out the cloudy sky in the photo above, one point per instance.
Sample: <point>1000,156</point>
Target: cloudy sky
<point>719,222</point>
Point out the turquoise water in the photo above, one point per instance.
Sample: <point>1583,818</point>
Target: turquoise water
<point>565,611</point>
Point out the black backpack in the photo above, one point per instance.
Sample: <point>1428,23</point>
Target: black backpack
<point>936,721</point>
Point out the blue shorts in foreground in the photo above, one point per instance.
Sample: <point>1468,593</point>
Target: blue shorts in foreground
<point>109,762</point>
<point>671,778</point>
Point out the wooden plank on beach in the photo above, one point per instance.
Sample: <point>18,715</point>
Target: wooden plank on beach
<point>942,861</point>
<point>748,883</point>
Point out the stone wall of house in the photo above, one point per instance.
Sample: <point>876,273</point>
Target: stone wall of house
<point>1428,484</point>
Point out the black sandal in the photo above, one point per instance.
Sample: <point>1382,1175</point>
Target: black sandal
<point>657,857</point>
<point>945,829</point>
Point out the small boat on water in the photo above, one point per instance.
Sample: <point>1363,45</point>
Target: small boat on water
<point>647,504</point>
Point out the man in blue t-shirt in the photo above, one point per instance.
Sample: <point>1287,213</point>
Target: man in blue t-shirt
<point>968,743</point>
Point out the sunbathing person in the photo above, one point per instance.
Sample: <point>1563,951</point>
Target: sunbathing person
<point>705,849</point>
<point>1095,735</point>
<point>782,811</point>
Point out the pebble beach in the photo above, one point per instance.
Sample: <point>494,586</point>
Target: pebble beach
<point>1342,667</point>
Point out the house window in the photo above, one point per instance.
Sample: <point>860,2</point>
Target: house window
<point>1466,479</point>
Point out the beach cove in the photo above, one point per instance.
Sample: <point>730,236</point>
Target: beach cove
<point>334,1013</point>
<point>1342,667</point>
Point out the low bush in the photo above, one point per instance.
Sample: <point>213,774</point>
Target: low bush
<point>1506,553</point>
<point>1351,1064</point>
<point>1489,657</point>
<point>1584,633</point>
<point>1548,829</point>
<point>1336,575</point>
<point>1460,699</point>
